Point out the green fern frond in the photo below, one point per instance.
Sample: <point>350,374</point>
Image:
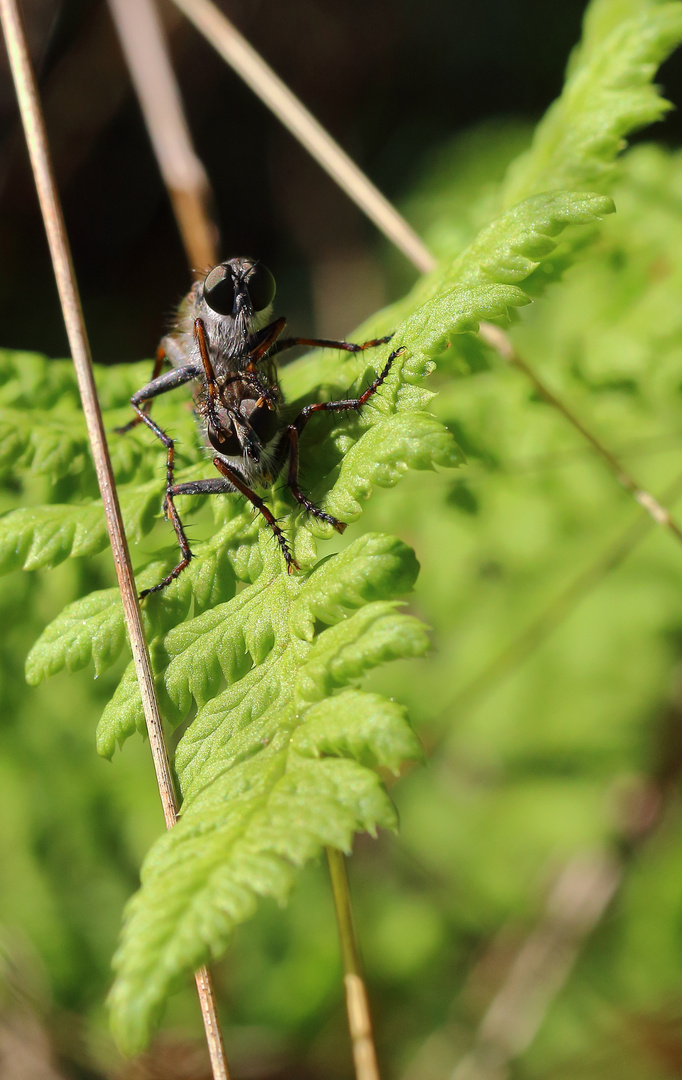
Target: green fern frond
<point>508,251</point>
<point>35,537</point>
<point>515,244</point>
<point>273,768</point>
<point>609,93</point>
<point>55,448</point>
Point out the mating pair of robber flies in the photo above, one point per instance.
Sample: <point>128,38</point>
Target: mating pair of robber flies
<point>225,344</point>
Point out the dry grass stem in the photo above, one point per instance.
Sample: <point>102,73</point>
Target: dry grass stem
<point>146,53</point>
<point>36,138</point>
<point>542,965</point>
<point>357,1003</point>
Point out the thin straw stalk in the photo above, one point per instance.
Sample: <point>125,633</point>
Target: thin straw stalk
<point>36,138</point>
<point>146,53</point>
<point>357,1003</point>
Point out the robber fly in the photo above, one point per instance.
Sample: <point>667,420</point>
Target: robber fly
<point>224,343</point>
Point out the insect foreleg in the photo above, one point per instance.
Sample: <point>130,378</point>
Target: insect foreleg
<point>264,341</point>
<point>211,384</point>
<point>295,429</point>
<point>325,343</point>
<point>156,371</point>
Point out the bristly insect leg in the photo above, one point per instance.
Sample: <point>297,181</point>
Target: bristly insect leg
<point>158,386</point>
<point>295,429</point>
<point>156,371</point>
<point>325,343</point>
<point>171,512</point>
<point>292,481</point>
<point>255,500</point>
<point>264,341</point>
<point>211,384</point>
<point>231,483</point>
<point>193,487</point>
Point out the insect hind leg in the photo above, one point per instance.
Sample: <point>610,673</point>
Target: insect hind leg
<point>158,386</point>
<point>230,484</point>
<point>169,508</point>
<point>195,487</point>
<point>237,484</point>
<point>295,429</point>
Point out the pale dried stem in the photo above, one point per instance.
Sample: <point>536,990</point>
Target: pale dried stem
<point>209,1015</point>
<point>146,53</point>
<point>36,138</point>
<point>542,965</point>
<point>357,1004</point>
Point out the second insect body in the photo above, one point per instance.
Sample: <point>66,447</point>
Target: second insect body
<point>224,343</point>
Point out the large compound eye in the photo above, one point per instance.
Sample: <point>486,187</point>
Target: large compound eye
<point>219,290</point>
<point>261,286</point>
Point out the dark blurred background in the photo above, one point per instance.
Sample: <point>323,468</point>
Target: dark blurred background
<point>390,80</point>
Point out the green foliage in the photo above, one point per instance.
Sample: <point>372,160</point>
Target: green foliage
<point>514,245</point>
<point>609,93</point>
<point>280,744</point>
<point>554,690</point>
